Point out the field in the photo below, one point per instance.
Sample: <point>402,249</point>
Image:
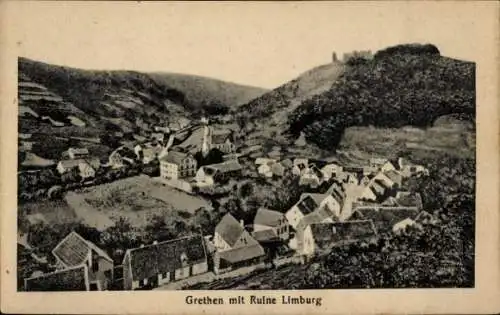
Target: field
<point>135,198</point>
<point>360,143</point>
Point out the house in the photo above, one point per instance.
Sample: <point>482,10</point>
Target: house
<point>298,169</point>
<point>270,224</point>
<point>287,164</point>
<point>311,176</point>
<point>221,139</point>
<point>217,173</point>
<point>389,179</point>
<point>177,165</point>
<point>261,161</point>
<point>309,203</point>
<point>85,170</point>
<point>265,170</point>
<point>322,237</point>
<point>164,262</point>
<point>235,246</point>
<point>330,170</point>
<point>408,169</point>
<point>158,136</point>
<point>278,169</point>
<point>378,162</point>
<point>395,177</point>
<point>77,153</point>
<point>161,129</point>
<point>115,160</point>
<point>384,217</point>
<point>69,279</point>
<point>388,166</point>
<point>150,153</point>
<point>229,234</point>
<point>75,251</point>
<point>374,191</point>
<point>365,180</point>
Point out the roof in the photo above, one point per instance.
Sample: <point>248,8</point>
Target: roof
<point>309,202</point>
<point>265,235</point>
<point>79,150</point>
<point>72,163</point>
<point>287,163</point>
<point>385,217</point>
<point>395,176</point>
<point>71,279</point>
<point>220,135</point>
<point>378,161</point>
<point>166,256</point>
<point>300,161</point>
<point>225,167</point>
<point>242,253</point>
<point>73,250</point>
<point>338,193</point>
<point>229,229</point>
<point>329,234</point>
<point>262,160</point>
<point>175,157</point>
<point>377,187</point>
<point>318,216</point>
<point>268,217</point>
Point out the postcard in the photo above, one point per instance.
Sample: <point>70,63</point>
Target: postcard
<point>244,157</point>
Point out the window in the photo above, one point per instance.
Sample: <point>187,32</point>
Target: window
<point>95,266</point>
<point>94,286</point>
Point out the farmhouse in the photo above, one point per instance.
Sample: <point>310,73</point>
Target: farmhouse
<point>69,279</point>
<point>384,217</point>
<point>77,153</point>
<point>308,203</point>
<point>265,169</point>
<point>177,165</point>
<point>322,237</point>
<point>221,139</point>
<point>208,175</point>
<point>75,251</point>
<point>261,161</point>
<point>86,168</point>
<point>115,160</point>
<point>270,224</point>
<point>235,247</point>
<point>164,262</point>
<point>330,170</point>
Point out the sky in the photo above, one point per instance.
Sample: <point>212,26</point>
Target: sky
<point>262,44</point>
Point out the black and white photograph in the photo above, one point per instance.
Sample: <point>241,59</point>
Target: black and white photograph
<point>229,146</point>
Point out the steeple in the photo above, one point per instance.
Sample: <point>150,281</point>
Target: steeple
<point>207,137</point>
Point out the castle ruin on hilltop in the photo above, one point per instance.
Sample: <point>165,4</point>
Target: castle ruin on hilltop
<point>366,54</point>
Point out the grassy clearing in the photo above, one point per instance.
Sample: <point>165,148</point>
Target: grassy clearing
<point>138,199</point>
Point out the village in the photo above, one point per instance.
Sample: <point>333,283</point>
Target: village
<point>359,203</point>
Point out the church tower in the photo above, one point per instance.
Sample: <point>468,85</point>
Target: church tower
<point>207,137</point>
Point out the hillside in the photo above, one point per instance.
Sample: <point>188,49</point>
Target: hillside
<point>202,91</point>
<point>62,106</point>
<point>402,85</point>
<point>264,119</point>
